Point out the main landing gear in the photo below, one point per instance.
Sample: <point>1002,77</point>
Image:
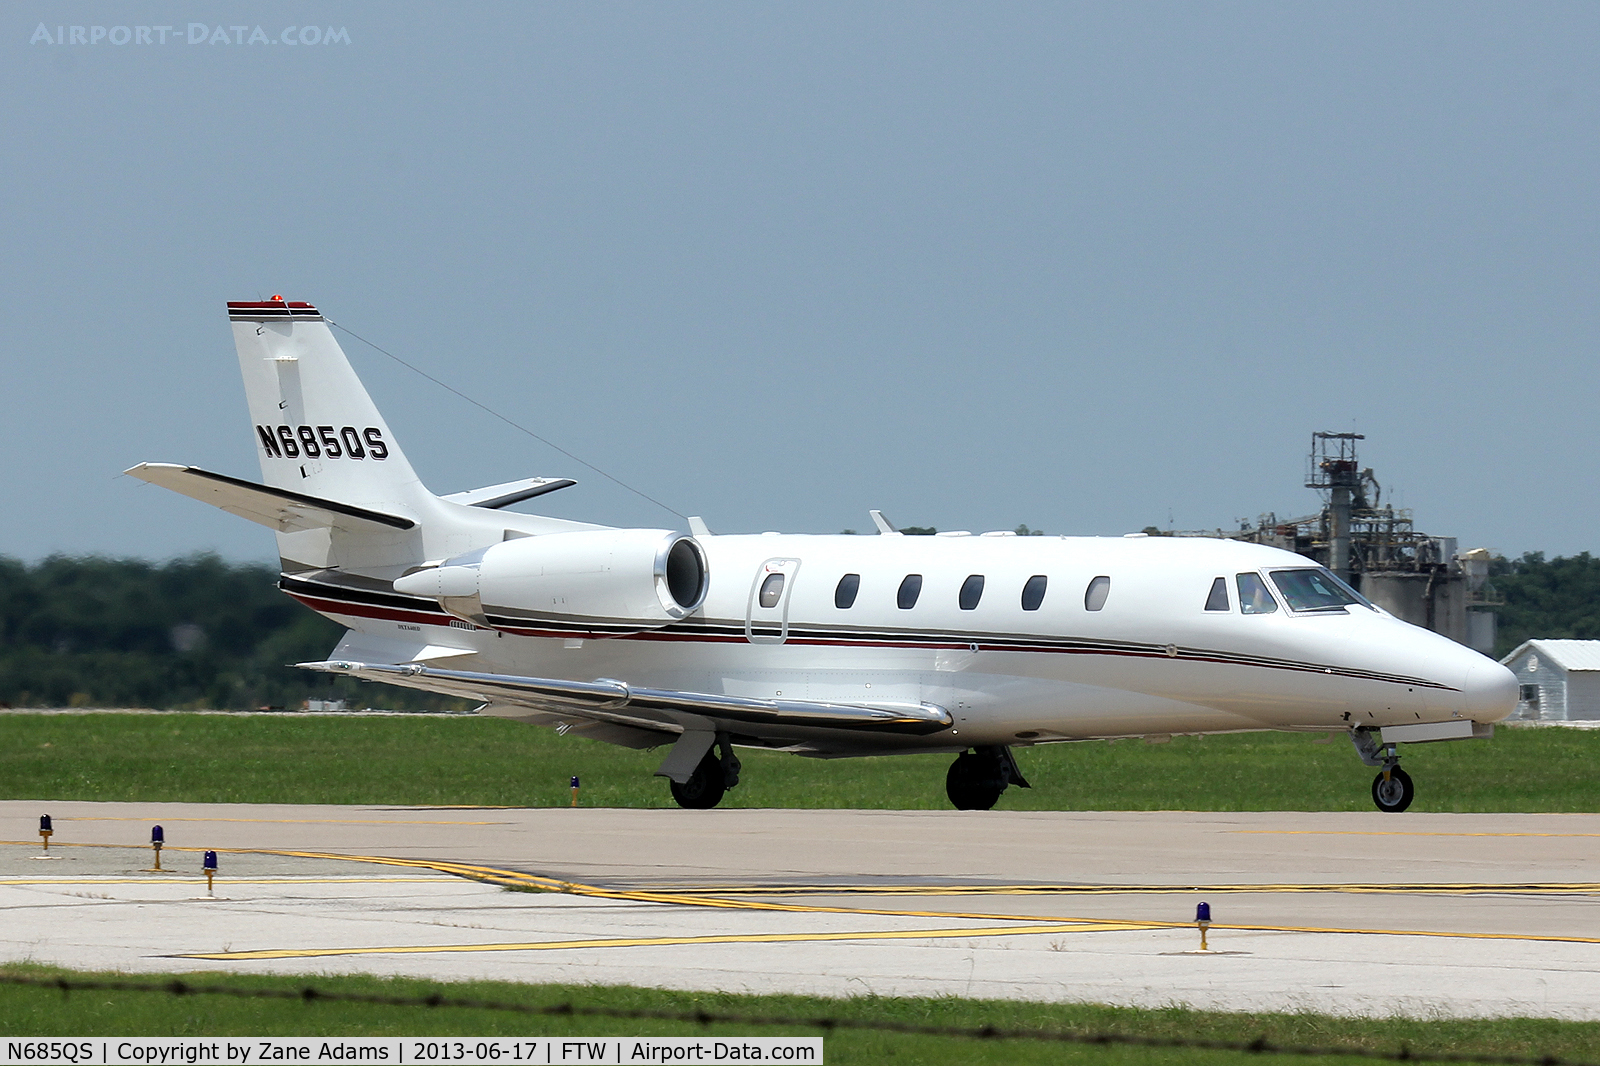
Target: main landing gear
<point>711,778</point>
<point>1392,789</point>
<point>977,777</point>
<point>973,783</point>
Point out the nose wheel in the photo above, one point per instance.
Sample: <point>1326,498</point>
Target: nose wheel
<point>1392,790</point>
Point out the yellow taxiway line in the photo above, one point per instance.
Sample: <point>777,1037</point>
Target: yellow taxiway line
<point>1052,928</point>
<point>1035,924</point>
<point>1418,888</point>
<point>277,821</point>
<point>1389,833</point>
<point>236,851</point>
<point>666,941</point>
<point>24,881</point>
<point>728,896</point>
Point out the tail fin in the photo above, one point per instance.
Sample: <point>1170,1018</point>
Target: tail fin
<point>338,489</point>
<point>317,431</point>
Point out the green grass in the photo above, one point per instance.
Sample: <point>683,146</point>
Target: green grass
<point>40,1012</point>
<point>484,761</point>
<point>458,760</point>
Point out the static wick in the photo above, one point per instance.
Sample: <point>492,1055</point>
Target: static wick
<point>574,790</point>
<point>1202,921</point>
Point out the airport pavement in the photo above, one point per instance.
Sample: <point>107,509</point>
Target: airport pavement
<point>1355,913</point>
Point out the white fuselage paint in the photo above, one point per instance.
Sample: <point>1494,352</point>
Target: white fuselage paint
<point>1151,661</point>
<point>363,541</point>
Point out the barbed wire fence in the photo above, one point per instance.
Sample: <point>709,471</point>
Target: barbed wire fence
<point>827,1024</point>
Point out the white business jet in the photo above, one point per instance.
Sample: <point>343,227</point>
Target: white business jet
<point>825,646</point>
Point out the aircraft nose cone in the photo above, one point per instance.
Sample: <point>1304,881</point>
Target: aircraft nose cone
<point>1490,692</point>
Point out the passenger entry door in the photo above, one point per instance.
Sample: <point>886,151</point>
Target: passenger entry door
<point>766,615</point>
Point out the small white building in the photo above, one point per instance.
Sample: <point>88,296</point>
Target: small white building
<point>1557,680</point>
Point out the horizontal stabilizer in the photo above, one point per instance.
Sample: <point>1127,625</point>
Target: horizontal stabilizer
<point>281,509</point>
<point>616,701</point>
<point>497,496</point>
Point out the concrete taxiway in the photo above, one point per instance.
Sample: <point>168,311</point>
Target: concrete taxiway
<point>1373,914</point>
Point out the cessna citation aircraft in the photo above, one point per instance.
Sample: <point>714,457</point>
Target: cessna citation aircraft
<point>825,646</point>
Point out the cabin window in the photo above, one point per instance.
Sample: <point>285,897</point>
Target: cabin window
<point>1218,600</point>
<point>771,591</point>
<point>971,592</point>
<point>1253,595</point>
<point>1314,590</point>
<point>1033,592</point>
<point>910,589</point>
<point>844,597</point>
<point>1094,597</point>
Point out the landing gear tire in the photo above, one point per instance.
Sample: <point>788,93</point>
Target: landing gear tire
<point>974,782</point>
<point>1394,794</point>
<point>705,786</point>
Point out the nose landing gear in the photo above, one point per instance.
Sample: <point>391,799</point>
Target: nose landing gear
<point>1392,789</point>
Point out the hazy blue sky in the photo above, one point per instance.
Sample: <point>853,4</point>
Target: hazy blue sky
<point>1084,266</point>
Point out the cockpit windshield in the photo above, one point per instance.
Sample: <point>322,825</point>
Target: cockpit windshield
<point>1315,590</point>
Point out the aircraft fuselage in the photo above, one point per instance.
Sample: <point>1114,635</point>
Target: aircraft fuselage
<point>1148,659</point>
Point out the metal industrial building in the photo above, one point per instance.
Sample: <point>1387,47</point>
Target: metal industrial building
<point>1557,680</point>
<point>1416,577</point>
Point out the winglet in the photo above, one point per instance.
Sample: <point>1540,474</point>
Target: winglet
<point>698,527</point>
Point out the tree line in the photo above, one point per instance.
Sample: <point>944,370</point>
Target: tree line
<point>200,632</point>
<point>195,633</point>
<point>1553,598</point>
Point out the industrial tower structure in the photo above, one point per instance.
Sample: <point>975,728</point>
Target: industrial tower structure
<point>1375,547</point>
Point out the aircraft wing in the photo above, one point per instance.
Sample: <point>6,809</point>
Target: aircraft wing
<point>646,708</point>
<point>279,509</point>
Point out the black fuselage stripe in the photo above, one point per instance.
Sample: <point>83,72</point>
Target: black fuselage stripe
<point>729,632</point>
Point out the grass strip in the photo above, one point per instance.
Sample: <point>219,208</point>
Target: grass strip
<point>427,760</point>
<point>27,1011</point>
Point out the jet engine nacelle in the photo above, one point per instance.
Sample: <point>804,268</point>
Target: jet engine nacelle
<point>603,582</point>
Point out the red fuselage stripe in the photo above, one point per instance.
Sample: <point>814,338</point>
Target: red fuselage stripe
<point>325,606</point>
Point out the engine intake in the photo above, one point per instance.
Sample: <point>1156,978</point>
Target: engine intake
<point>599,583</point>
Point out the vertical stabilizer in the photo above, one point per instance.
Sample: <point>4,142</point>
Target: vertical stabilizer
<point>314,426</point>
<point>338,489</point>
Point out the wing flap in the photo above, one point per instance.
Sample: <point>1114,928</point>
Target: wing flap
<point>279,509</point>
<point>573,724</point>
<point>619,702</point>
<point>367,645</point>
